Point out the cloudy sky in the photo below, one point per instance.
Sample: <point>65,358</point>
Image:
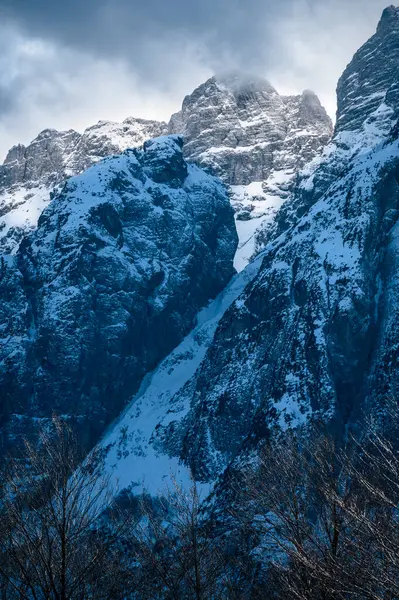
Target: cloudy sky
<point>68,64</point>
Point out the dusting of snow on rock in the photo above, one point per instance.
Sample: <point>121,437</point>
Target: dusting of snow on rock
<point>32,175</point>
<point>108,284</point>
<point>243,131</point>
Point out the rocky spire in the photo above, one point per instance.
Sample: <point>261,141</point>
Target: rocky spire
<point>369,86</point>
<point>389,18</point>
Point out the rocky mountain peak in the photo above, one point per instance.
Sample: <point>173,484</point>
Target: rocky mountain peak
<point>15,153</point>
<point>54,155</point>
<point>307,110</point>
<point>242,130</point>
<point>389,18</point>
<point>368,91</point>
<point>311,101</point>
<point>232,83</point>
<point>237,126</point>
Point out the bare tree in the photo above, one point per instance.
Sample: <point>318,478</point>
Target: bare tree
<point>58,544</point>
<point>313,520</point>
<point>299,497</point>
<point>178,552</point>
<point>374,470</point>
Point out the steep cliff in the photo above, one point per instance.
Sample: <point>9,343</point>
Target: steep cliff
<point>108,284</point>
<point>256,140</point>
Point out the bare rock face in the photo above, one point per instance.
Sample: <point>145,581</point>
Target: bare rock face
<point>31,175</point>
<point>108,284</point>
<point>370,82</point>
<point>243,131</point>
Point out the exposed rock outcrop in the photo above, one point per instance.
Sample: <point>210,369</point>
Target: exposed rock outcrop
<point>243,130</point>
<point>256,140</point>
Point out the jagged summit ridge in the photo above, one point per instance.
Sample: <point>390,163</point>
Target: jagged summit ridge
<point>230,116</point>
<point>235,124</point>
<point>54,155</point>
<point>30,174</point>
<point>241,129</point>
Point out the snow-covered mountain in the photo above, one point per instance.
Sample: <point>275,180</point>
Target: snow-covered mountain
<point>311,327</point>
<point>239,127</point>
<point>31,175</point>
<point>256,140</point>
<point>108,284</point>
<point>103,302</point>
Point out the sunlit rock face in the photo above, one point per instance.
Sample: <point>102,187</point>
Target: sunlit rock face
<point>256,140</point>
<point>243,130</point>
<point>109,283</point>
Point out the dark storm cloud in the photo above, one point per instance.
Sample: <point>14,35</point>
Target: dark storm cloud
<point>7,98</point>
<point>68,63</point>
<point>241,33</point>
<point>242,29</point>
